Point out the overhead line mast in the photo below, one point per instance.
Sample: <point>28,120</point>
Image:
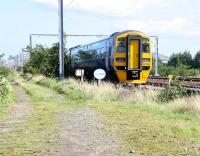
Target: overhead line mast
<point>61,41</point>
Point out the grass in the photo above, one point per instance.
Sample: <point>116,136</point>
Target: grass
<point>145,126</point>
<point>7,96</point>
<point>38,134</point>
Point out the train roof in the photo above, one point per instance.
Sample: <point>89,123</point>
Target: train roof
<point>119,33</point>
<point>111,36</point>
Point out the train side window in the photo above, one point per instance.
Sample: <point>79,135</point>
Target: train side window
<point>109,50</point>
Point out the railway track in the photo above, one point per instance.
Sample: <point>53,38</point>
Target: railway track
<point>192,84</point>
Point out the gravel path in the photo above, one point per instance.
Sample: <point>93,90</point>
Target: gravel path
<point>17,110</point>
<point>82,134</point>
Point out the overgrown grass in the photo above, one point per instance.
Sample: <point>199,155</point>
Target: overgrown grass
<point>108,92</point>
<point>6,91</point>
<point>7,95</point>
<point>38,134</point>
<point>147,127</point>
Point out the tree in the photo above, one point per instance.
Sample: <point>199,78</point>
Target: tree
<point>186,58</point>
<point>46,61</point>
<point>197,60</point>
<point>178,59</point>
<point>174,60</point>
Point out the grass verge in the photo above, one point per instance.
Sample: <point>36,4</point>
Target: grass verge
<point>40,130</point>
<point>7,95</point>
<point>146,127</point>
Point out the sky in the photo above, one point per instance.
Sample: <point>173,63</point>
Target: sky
<point>176,22</point>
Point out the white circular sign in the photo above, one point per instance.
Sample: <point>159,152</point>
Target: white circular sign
<point>99,74</point>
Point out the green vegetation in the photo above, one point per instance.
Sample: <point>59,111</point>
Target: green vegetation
<point>39,133</point>
<point>144,125</point>
<point>172,92</point>
<point>178,59</point>
<point>6,90</point>
<point>45,61</point>
<point>180,64</point>
<point>4,72</point>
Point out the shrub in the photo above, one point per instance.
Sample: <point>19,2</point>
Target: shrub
<point>178,71</point>
<point>4,91</point>
<point>4,72</point>
<point>172,92</point>
<point>28,68</point>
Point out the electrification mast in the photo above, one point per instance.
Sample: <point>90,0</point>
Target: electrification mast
<point>61,41</point>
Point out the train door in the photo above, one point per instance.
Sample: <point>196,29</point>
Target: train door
<point>134,54</point>
<point>134,58</point>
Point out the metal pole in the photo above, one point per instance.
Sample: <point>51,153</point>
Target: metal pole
<point>156,63</point>
<point>61,42</point>
<point>30,43</point>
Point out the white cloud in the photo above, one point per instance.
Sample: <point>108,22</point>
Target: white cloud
<point>193,33</point>
<point>152,24</point>
<point>176,25</point>
<point>111,7</point>
<point>182,26</point>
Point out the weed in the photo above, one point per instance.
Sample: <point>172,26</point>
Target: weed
<point>172,92</point>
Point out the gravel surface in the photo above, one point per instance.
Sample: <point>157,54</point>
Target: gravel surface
<point>18,110</point>
<point>82,134</point>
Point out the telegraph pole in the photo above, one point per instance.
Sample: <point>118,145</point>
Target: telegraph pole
<point>156,60</point>
<point>61,41</point>
<point>156,68</point>
<point>30,37</point>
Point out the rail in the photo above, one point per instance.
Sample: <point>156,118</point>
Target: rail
<point>190,83</point>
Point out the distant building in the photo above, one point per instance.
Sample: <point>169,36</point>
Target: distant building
<point>163,58</point>
<point>18,60</point>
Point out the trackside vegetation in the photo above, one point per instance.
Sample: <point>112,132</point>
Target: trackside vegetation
<point>6,90</point>
<point>180,64</point>
<point>146,126</point>
<point>39,131</point>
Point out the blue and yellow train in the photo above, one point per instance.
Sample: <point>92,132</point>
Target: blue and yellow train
<point>125,56</point>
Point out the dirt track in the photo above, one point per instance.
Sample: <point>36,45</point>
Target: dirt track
<point>80,130</point>
<point>82,135</point>
<point>18,110</point>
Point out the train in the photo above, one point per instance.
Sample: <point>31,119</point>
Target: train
<point>125,56</point>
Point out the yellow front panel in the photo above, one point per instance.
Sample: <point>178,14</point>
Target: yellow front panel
<point>122,74</point>
<point>134,54</point>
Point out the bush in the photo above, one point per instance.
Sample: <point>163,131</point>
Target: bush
<point>28,68</point>
<point>177,71</point>
<point>45,61</point>
<point>4,72</point>
<point>4,91</point>
<point>171,92</point>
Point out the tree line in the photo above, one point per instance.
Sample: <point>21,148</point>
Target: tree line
<point>180,64</point>
<point>185,58</point>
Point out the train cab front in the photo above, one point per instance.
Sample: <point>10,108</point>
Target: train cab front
<point>132,57</point>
